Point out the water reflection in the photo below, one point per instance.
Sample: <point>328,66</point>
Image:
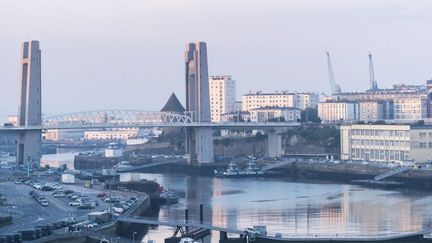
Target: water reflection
<point>294,209</point>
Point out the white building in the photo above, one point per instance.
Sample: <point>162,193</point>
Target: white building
<point>386,143</point>
<point>278,99</point>
<point>131,176</point>
<point>338,111</point>
<point>307,100</point>
<point>238,116</point>
<point>222,96</point>
<point>374,110</point>
<point>113,134</point>
<point>13,119</point>
<point>63,134</point>
<point>113,152</point>
<point>287,114</point>
<point>411,108</point>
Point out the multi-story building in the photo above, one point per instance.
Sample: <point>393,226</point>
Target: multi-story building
<point>265,114</point>
<point>279,99</point>
<point>374,110</point>
<point>307,100</point>
<point>222,96</point>
<point>411,108</point>
<point>338,111</point>
<point>386,143</point>
<point>113,134</point>
<point>63,134</point>
<point>383,94</point>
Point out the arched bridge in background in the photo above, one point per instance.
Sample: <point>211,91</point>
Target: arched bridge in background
<point>142,119</point>
<point>115,118</point>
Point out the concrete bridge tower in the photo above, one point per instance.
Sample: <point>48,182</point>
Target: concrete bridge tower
<point>30,108</point>
<point>199,141</point>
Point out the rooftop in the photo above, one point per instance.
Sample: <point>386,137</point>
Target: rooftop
<point>173,105</point>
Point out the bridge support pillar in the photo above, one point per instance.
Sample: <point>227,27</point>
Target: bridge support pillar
<point>29,147</point>
<point>274,143</point>
<point>199,144</point>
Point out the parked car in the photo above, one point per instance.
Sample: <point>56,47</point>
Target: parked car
<point>74,204</point>
<point>85,207</point>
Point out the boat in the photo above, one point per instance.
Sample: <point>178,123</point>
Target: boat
<point>233,171</point>
<point>168,197</point>
<point>253,169</point>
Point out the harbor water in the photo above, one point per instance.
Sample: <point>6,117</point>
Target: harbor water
<point>293,208</point>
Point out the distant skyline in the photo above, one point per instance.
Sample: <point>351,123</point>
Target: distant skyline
<point>130,54</point>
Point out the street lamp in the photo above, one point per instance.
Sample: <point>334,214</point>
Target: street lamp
<point>133,237</point>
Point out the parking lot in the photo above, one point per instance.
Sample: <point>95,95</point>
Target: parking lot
<point>43,201</point>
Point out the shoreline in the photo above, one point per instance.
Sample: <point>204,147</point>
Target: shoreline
<point>345,173</point>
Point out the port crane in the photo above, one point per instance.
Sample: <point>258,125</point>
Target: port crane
<point>335,88</point>
<point>373,82</point>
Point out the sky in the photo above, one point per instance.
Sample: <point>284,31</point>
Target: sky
<point>129,54</point>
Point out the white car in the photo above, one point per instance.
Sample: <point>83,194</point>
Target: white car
<point>117,210</point>
<point>57,186</point>
<point>74,204</point>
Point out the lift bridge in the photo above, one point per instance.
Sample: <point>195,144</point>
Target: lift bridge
<point>115,119</point>
<point>199,137</point>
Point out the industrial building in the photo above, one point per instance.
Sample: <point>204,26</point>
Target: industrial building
<point>386,143</point>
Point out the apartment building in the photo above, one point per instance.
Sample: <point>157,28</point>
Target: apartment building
<point>307,100</point>
<point>411,108</point>
<point>222,96</point>
<point>279,99</point>
<point>338,111</point>
<point>374,110</point>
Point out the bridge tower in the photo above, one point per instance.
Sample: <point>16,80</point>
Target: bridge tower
<point>199,141</point>
<point>30,108</point>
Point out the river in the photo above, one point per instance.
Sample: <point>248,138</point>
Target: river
<point>294,208</point>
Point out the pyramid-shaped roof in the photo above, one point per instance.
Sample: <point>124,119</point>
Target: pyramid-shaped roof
<point>173,105</point>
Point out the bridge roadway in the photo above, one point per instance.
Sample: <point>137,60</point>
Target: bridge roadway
<point>228,125</point>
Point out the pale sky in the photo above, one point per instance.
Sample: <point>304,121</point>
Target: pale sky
<point>129,54</point>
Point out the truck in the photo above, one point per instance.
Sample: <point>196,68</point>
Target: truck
<point>68,178</point>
